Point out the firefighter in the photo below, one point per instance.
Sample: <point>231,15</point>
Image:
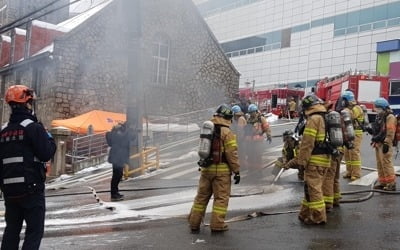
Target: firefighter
<point>292,108</point>
<point>215,178</point>
<point>314,156</point>
<point>383,131</point>
<point>25,147</point>
<point>352,154</point>
<point>290,150</point>
<point>237,126</point>
<point>331,185</point>
<point>255,129</point>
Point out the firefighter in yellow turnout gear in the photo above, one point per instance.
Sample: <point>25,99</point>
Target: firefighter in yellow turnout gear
<point>315,158</point>
<point>290,150</point>
<point>331,185</point>
<point>255,129</point>
<point>215,178</point>
<point>238,125</point>
<point>352,155</point>
<point>383,133</point>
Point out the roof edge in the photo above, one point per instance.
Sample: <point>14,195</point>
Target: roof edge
<point>213,37</point>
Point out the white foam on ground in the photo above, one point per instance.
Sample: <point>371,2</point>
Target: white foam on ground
<point>366,180</point>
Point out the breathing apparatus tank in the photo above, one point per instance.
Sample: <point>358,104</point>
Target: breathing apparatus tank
<point>206,136</point>
<point>365,112</point>
<point>348,128</point>
<point>334,129</point>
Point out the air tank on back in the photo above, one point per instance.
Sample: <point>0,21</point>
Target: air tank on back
<point>334,128</point>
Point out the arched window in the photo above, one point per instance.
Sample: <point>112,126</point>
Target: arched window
<point>160,53</point>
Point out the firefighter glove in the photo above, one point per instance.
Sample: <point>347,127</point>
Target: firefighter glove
<point>269,139</point>
<point>236,178</point>
<point>369,130</point>
<point>385,148</point>
<point>289,164</point>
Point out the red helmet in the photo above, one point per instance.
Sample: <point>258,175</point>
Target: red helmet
<point>19,94</point>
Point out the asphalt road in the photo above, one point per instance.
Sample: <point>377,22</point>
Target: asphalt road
<point>78,222</point>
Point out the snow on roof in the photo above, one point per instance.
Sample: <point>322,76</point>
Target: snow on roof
<point>48,26</point>
<point>19,31</point>
<point>48,48</point>
<point>6,38</point>
<point>3,8</point>
<point>75,21</point>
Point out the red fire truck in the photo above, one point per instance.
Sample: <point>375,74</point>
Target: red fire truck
<point>366,87</point>
<point>272,100</point>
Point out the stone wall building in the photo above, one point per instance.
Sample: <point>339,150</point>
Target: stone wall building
<point>81,64</point>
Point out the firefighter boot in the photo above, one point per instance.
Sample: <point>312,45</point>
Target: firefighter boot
<point>379,186</point>
<point>390,187</point>
<point>194,220</point>
<point>347,176</point>
<point>220,229</point>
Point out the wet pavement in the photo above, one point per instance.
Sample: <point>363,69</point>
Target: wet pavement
<point>153,214</point>
<point>369,225</point>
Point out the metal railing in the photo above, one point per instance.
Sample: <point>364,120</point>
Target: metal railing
<point>151,152</point>
<point>156,131</point>
<point>86,147</point>
<point>161,130</point>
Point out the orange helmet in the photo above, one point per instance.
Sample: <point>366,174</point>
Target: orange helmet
<point>19,94</point>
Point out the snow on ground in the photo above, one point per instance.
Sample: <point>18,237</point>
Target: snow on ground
<point>172,127</point>
<point>271,117</point>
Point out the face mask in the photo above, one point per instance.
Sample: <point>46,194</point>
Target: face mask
<point>379,110</point>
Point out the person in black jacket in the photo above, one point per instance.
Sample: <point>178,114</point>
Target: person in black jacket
<point>25,146</point>
<point>119,140</point>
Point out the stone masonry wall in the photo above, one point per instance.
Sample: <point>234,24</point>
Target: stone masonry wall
<point>88,68</point>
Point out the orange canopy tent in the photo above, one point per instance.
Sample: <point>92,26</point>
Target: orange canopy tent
<point>101,121</point>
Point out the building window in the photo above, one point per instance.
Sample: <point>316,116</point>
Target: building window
<point>395,87</point>
<point>351,30</point>
<point>379,25</point>
<point>393,22</point>
<point>365,27</point>
<point>160,60</point>
<point>37,81</point>
<point>286,37</point>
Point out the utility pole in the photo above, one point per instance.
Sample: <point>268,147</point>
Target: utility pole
<point>132,18</point>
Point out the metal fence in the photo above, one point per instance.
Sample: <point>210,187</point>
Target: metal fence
<point>160,130</point>
<point>86,147</point>
<point>156,131</point>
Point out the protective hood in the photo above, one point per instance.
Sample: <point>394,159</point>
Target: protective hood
<point>221,121</point>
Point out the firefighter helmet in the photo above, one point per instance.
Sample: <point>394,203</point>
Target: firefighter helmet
<point>236,109</point>
<point>252,108</point>
<point>288,132</point>
<point>19,94</point>
<point>310,100</point>
<point>224,111</point>
<point>348,95</point>
<point>381,103</point>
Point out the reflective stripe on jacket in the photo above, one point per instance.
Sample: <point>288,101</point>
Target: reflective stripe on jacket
<point>314,133</point>
<point>228,147</point>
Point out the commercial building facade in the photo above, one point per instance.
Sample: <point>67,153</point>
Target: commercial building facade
<point>297,42</point>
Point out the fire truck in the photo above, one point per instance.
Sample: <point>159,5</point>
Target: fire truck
<point>366,88</point>
<point>272,100</point>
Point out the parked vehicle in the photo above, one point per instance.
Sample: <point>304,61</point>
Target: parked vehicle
<point>272,100</point>
<point>366,88</point>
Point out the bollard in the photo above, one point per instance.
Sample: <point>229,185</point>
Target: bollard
<point>60,136</point>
